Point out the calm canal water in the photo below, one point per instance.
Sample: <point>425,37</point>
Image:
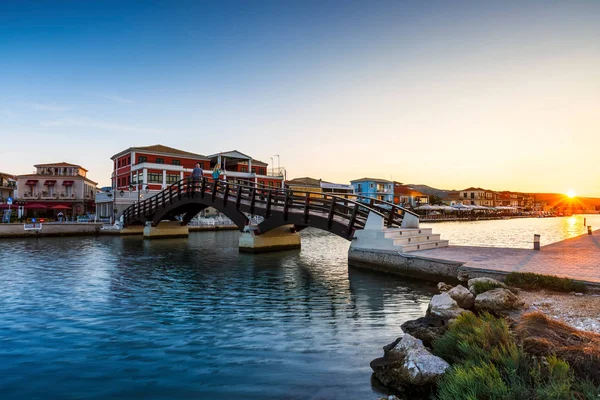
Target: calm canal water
<point>122,318</point>
<point>516,232</point>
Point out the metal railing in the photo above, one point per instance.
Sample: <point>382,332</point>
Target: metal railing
<point>350,210</point>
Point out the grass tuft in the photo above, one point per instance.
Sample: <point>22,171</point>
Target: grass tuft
<point>528,280</point>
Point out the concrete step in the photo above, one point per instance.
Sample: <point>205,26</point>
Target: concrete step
<point>411,239</point>
<point>393,233</point>
<point>423,246</point>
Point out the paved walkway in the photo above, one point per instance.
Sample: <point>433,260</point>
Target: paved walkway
<point>576,258</point>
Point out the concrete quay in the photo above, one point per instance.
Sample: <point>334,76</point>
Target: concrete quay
<point>49,229</point>
<point>576,258</point>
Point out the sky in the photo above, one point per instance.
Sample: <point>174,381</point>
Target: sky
<point>503,95</point>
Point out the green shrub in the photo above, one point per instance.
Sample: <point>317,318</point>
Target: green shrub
<point>469,382</point>
<point>586,390</point>
<point>528,280</point>
<point>481,287</point>
<point>489,364</point>
<point>471,337</point>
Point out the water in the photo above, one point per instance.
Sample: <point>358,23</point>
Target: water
<point>516,232</point>
<point>122,318</point>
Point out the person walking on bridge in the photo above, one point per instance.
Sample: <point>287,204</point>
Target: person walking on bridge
<point>197,174</point>
<point>216,172</point>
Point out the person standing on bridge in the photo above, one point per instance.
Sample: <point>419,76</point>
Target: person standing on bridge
<point>197,174</point>
<point>216,172</point>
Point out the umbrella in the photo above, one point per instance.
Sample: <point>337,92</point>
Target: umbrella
<point>426,207</point>
<point>461,207</point>
<point>36,206</point>
<point>60,207</point>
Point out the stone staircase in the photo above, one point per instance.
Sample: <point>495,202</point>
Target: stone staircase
<point>401,240</point>
<point>413,239</point>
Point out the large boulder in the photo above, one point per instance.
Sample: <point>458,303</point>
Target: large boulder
<point>463,297</point>
<point>427,329</point>
<point>498,301</point>
<point>444,306</point>
<point>480,285</point>
<point>408,366</point>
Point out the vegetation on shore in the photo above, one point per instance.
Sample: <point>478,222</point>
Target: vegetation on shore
<point>489,362</point>
<point>528,280</point>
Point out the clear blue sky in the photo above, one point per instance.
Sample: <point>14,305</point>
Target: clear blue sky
<point>503,95</point>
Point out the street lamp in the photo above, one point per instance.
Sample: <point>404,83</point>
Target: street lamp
<point>278,166</point>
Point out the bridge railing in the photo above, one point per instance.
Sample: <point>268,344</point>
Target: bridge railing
<point>349,208</point>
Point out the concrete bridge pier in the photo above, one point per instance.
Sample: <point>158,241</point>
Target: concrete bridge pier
<point>283,237</point>
<point>166,229</point>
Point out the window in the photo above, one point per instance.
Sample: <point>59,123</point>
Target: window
<point>172,178</point>
<point>160,160</point>
<point>465,195</point>
<point>271,184</point>
<point>128,160</point>
<point>129,180</point>
<point>154,177</point>
<point>244,169</point>
<point>371,186</point>
<point>141,159</point>
<point>261,171</point>
<point>472,195</point>
<point>253,170</point>
<point>175,162</point>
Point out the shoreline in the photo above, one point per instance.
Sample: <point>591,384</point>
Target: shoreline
<point>19,230</point>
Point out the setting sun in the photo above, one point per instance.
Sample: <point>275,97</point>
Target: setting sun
<point>570,193</point>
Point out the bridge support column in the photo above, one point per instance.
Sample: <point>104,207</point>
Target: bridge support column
<point>281,238</point>
<point>166,229</point>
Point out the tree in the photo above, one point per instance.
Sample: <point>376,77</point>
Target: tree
<point>435,200</point>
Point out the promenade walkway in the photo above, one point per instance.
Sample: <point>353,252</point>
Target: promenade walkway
<point>576,258</point>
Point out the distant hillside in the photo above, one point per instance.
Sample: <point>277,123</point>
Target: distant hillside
<point>431,191</point>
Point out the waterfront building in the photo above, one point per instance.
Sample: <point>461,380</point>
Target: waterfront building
<point>319,186</point>
<point>141,172</point>
<point>237,167</point>
<point>8,184</point>
<point>54,188</point>
<point>380,189</point>
<point>476,196</point>
<point>405,196</point>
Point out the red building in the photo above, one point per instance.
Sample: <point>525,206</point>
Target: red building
<point>140,172</point>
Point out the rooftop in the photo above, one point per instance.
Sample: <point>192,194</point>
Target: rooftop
<point>159,148</point>
<point>60,164</point>
<point>371,180</point>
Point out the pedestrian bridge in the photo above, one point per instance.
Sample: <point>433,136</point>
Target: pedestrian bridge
<point>284,211</point>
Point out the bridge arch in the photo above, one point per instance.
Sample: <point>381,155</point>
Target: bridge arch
<point>336,214</point>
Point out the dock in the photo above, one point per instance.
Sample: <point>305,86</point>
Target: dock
<point>577,258</point>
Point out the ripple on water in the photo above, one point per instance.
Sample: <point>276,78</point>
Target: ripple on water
<point>191,318</point>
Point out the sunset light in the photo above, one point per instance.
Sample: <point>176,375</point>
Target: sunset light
<point>571,193</point>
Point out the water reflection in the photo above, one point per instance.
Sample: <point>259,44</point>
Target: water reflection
<point>191,318</point>
<point>516,233</point>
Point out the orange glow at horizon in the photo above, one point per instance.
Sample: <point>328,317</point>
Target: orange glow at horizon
<point>571,193</point>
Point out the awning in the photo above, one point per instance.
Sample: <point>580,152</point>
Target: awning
<point>49,182</point>
<point>35,206</point>
<point>68,183</point>
<point>31,182</point>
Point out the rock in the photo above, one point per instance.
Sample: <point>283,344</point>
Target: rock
<point>498,301</point>
<point>444,306</point>
<point>463,297</point>
<point>409,366</point>
<point>443,287</point>
<point>426,329</point>
<point>480,285</point>
<point>390,397</point>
